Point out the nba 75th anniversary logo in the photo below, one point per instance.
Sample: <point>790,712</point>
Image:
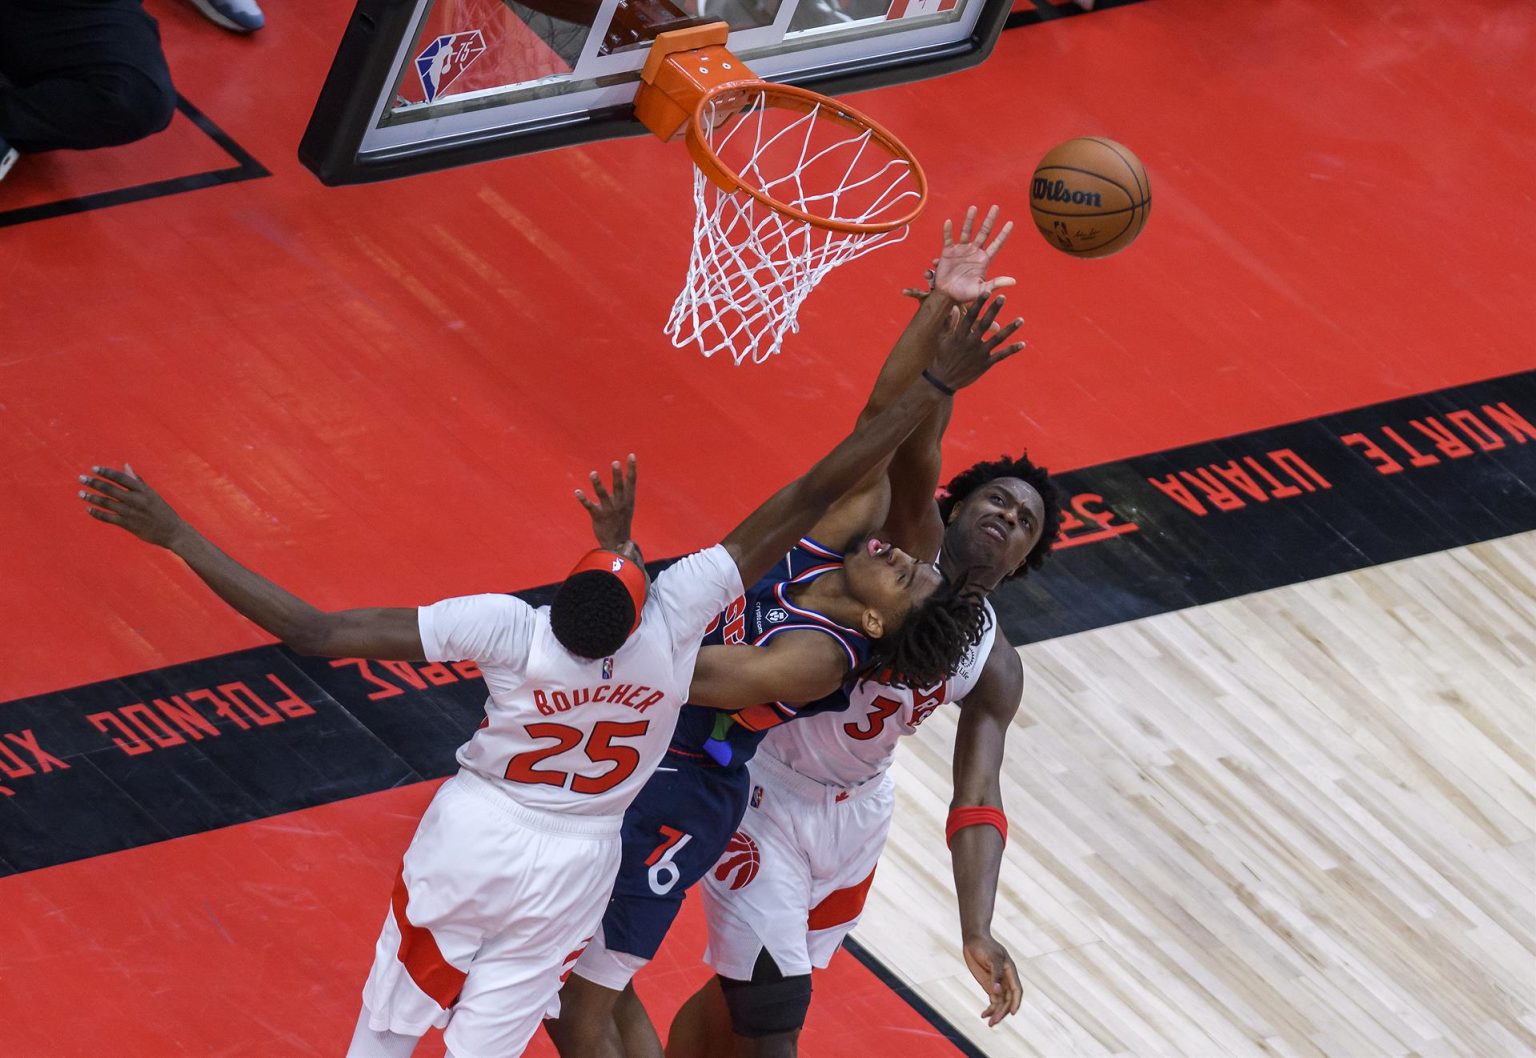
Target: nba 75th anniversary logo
<point>442,61</point>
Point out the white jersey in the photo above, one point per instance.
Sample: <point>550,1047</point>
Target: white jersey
<point>566,734</point>
<point>853,746</point>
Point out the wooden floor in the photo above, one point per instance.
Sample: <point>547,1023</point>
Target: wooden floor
<point>1296,823</point>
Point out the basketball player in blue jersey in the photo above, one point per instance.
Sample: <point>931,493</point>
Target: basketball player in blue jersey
<point>822,616</point>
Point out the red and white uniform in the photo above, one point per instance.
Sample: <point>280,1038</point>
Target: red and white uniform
<point>797,872</point>
<point>508,874</point>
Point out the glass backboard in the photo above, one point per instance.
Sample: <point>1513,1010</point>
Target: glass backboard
<point>420,85</point>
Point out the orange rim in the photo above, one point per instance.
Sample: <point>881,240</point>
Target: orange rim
<point>788,97</point>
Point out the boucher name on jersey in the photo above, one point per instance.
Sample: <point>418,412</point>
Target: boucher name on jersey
<point>851,747</point>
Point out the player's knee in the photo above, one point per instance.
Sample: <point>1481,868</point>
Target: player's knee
<point>128,104</point>
<point>770,1004</point>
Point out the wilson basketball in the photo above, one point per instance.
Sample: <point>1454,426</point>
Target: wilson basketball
<point>1090,197</point>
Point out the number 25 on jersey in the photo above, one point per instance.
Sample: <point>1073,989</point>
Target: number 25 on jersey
<point>600,748</point>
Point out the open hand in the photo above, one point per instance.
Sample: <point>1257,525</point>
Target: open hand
<point>612,510</point>
<point>970,347</point>
<point>960,271</point>
<point>992,966</point>
<point>122,498</point>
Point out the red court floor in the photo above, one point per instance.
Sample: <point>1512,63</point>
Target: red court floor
<point>383,395</point>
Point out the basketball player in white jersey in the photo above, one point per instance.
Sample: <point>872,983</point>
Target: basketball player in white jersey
<point>509,870</point>
<point>822,794</point>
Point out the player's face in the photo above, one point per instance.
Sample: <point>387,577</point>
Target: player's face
<point>992,530</point>
<point>889,582</point>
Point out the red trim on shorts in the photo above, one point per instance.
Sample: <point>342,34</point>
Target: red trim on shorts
<point>569,964</point>
<point>419,954</point>
<point>841,906</point>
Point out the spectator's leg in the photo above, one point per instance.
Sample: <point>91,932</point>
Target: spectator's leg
<point>82,73</point>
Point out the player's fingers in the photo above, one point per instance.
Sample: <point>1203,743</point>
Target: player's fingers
<point>914,292</point>
<point>949,233</point>
<point>1000,283</point>
<point>1013,987</point>
<point>1002,237</point>
<point>581,498</point>
<point>103,516</point>
<point>1003,354</point>
<point>128,481</point>
<point>989,317</point>
<point>1001,334</point>
<point>620,485</point>
<point>597,487</point>
<point>631,472</point>
<point>94,500</point>
<point>965,228</point>
<point>986,225</point>
<point>103,486</point>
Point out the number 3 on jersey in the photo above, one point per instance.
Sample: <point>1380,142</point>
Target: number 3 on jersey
<point>599,749</point>
<point>874,721</point>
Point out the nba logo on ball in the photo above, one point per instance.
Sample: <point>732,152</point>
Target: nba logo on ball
<point>1090,197</point>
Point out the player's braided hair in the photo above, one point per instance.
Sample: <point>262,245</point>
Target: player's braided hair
<point>932,642</point>
<point>592,613</point>
<point>1038,478</point>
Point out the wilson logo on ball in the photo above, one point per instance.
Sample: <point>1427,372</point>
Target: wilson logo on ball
<point>738,865</point>
<point>1059,192</point>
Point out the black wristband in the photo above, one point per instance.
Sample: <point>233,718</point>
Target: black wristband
<point>948,391</point>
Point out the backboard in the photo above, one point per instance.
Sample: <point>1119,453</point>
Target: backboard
<point>421,85</point>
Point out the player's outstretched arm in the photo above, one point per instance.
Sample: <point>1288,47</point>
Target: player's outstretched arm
<point>957,278</point>
<point>793,667</point>
<point>770,530</point>
<point>122,498</point>
<point>976,852</point>
<point>958,275</point>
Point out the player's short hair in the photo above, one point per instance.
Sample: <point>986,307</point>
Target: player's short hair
<point>933,640</point>
<point>1037,477</point>
<point>592,614</point>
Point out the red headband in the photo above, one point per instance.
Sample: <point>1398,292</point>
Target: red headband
<point>630,573</point>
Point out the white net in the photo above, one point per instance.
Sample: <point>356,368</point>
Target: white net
<point>752,265</point>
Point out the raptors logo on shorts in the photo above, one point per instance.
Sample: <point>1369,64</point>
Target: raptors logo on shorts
<point>738,864</point>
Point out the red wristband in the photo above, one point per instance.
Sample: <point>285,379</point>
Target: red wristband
<point>981,815</point>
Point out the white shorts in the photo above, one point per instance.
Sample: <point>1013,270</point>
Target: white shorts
<point>492,908</point>
<point>795,876</point>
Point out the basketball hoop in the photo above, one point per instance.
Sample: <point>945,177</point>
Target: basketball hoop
<point>788,184</point>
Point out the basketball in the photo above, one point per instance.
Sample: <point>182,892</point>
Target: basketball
<point>1090,197</point>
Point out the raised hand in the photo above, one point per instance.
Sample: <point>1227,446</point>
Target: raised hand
<point>123,499</point>
<point>612,511</point>
<point>970,347</point>
<point>960,272</point>
<point>992,966</point>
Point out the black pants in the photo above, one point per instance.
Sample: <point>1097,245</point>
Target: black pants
<point>81,74</point>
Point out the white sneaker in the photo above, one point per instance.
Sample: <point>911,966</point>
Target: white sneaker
<point>8,156</point>
<point>242,16</point>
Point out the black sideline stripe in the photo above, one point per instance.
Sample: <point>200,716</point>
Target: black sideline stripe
<point>246,168</point>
